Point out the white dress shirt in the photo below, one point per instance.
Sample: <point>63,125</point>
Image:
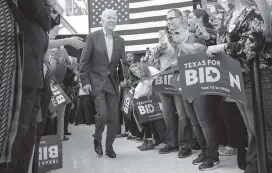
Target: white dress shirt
<point>109,43</point>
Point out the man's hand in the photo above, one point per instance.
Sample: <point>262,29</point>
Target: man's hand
<point>76,42</point>
<point>87,88</point>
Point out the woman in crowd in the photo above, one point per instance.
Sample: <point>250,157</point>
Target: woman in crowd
<point>138,71</point>
<point>231,127</point>
<point>246,29</point>
<point>155,128</point>
<point>59,64</point>
<point>134,133</point>
<point>84,107</point>
<point>200,109</point>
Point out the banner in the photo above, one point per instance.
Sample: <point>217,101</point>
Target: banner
<point>214,8</point>
<point>50,153</point>
<point>166,84</point>
<point>58,98</point>
<point>201,75</point>
<point>148,109</point>
<point>126,106</point>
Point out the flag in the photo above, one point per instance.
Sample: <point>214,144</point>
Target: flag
<point>139,21</point>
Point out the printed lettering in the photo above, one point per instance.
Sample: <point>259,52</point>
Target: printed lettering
<point>204,74</point>
<point>235,81</point>
<point>158,81</point>
<point>60,99</point>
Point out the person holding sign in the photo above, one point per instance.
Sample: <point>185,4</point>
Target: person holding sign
<point>98,73</point>
<point>178,133</point>
<point>154,125</point>
<point>247,28</point>
<point>200,109</point>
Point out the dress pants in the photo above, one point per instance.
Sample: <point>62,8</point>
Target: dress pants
<point>106,105</point>
<point>25,139</point>
<point>46,94</point>
<point>248,116</point>
<point>179,132</point>
<point>84,109</point>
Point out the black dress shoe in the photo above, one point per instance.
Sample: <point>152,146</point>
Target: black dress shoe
<point>98,147</point>
<point>68,133</point>
<point>65,138</point>
<point>111,154</point>
<point>157,143</point>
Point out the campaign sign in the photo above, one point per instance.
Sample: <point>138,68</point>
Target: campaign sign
<point>201,75</point>
<point>148,109</point>
<point>50,153</point>
<point>126,107</point>
<point>58,98</point>
<point>166,84</point>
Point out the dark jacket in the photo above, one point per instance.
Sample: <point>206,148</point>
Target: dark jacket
<point>94,62</point>
<point>38,15</point>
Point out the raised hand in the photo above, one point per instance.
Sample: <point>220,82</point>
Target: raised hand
<point>76,42</point>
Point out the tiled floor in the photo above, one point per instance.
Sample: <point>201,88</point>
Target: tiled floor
<point>79,157</point>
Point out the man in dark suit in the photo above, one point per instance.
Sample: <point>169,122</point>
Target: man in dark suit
<point>98,73</point>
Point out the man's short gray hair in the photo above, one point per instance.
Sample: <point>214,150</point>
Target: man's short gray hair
<point>177,12</point>
<point>107,11</point>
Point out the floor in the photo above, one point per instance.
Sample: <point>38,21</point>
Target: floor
<point>79,157</point>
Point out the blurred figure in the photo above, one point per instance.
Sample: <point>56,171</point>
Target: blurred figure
<point>245,32</point>
<point>36,16</point>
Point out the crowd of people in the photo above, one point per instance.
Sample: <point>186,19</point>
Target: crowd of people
<point>212,124</point>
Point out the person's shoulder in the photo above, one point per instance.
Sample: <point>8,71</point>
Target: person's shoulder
<point>162,34</point>
<point>119,37</point>
<point>93,34</point>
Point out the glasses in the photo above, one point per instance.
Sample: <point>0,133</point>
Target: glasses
<point>171,18</point>
<point>54,11</point>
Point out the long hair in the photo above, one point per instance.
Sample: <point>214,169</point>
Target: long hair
<point>141,66</point>
<point>265,11</point>
<point>205,17</point>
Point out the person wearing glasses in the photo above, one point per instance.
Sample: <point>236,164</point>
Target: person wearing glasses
<point>178,133</point>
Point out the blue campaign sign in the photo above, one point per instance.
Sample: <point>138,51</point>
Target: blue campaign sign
<point>201,75</point>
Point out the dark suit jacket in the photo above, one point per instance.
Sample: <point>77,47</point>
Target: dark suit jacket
<point>94,62</point>
<point>36,43</point>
